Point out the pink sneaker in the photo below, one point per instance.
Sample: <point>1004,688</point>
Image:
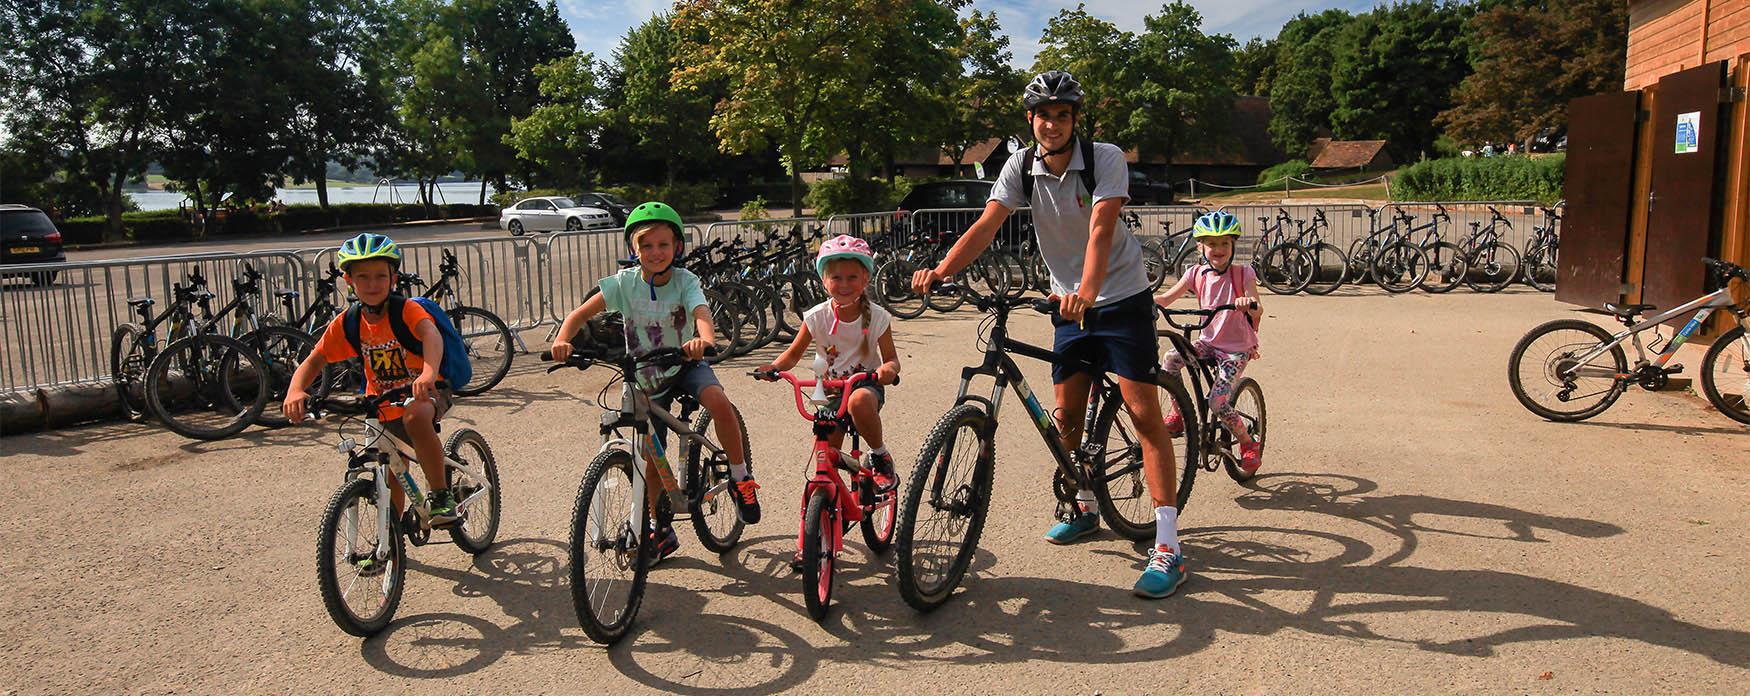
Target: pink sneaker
<point>1251,457</point>
<point>1175,424</point>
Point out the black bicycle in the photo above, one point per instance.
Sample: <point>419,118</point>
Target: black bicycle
<point>489,340</point>
<point>948,496</point>
<point>1219,447</point>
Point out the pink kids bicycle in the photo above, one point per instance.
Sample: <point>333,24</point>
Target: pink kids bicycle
<point>829,506</point>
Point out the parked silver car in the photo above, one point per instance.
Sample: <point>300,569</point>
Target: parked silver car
<point>546,213</point>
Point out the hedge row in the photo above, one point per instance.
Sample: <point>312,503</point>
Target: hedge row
<point>170,225</point>
<point>1507,178</point>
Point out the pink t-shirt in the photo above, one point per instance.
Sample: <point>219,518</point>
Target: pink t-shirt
<point>1230,332</point>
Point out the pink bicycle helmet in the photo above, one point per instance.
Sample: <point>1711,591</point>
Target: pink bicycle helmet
<point>844,246</point>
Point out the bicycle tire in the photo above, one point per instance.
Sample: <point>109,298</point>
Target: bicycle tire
<point>1735,406</point>
<point>328,581</point>
<point>1330,269</point>
<point>223,369</point>
<point>726,322</point>
<point>1185,258</point>
<point>1446,267</point>
<point>129,356</point>
<point>282,349</point>
<point>1400,267</point>
<point>614,551</point>
<point>945,302</point>
<point>1538,264</point>
<point>819,563</point>
<point>1154,264</point>
<point>473,539</point>
<point>1551,363</point>
<point>880,519</point>
<point>1499,267</point>
<point>1248,399</point>
<point>1190,416</point>
<point>704,475</point>
<point>969,500</point>
<point>1011,271</point>
<point>1284,269</point>
<point>1134,520</point>
<point>893,290</point>
<point>490,347</point>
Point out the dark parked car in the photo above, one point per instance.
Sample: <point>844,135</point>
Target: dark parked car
<point>615,205</point>
<point>29,236</point>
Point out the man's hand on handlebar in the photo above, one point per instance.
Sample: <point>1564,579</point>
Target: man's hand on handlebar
<point>924,281</point>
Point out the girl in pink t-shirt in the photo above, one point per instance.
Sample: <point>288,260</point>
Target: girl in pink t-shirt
<point>1231,338</point>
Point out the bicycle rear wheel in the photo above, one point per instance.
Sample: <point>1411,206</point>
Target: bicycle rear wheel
<point>1446,267</point>
<point>1725,375</point>
<point>1545,371</point>
<point>490,347</point>
<point>128,360</point>
<point>1400,267</point>
<point>726,322</point>
<point>1121,488</point>
<point>709,501</point>
<point>1492,267</point>
<point>207,387</point>
<point>1248,401</point>
<point>1285,269</point>
<point>478,527</point>
<point>1330,269</point>
<point>945,506</point>
<point>1154,263</point>
<point>609,563</point>
<point>359,573</point>
<point>820,520</point>
<point>1540,267</point>
<point>282,349</point>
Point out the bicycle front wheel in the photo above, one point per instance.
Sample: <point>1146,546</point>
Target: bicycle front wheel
<point>1400,267</point>
<point>359,571</point>
<point>946,502</point>
<point>1552,377</point>
<point>1492,267</point>
<point>1285,269</point>
<point>1330,268</point>
<point>207,387</point>
<point>608,549</point>
<point>490,348</point>
<point>1248,401</point>
<point>1120,486</point>
<point>820,520</point>
<point>129,356</point>
<point>282,349</point>
<point>1540,268</point>
<point>1725,374</point>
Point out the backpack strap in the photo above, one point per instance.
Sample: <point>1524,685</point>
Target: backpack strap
<point>1087,173</point>
<point>397,324</point>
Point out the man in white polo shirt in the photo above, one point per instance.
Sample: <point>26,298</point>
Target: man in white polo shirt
<point>1076,189</point>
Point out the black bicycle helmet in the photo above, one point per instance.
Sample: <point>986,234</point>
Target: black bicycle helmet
<point>1052,87</point>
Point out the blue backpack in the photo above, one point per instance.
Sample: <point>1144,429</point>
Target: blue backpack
<point>455,367</point>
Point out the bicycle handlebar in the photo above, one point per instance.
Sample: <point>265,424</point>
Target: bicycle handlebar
<point>1208,315</point>
<point>660,357</point>
<point>1727,269</point>
<point>845,386</point>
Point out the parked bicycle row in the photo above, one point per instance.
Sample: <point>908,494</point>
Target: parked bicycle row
<point>216,371</point>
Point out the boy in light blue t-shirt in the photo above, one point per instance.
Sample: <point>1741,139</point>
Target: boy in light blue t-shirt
<point>663,306</point>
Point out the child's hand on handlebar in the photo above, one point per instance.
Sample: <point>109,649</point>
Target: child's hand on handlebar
<point>425,385</point>
<point>294,406</point>
<point>695,349</point>
<point>561,350</point>
<point>1244,302</point>
<point>886,374</point>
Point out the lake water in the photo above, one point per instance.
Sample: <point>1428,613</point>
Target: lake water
<point>455,192</point>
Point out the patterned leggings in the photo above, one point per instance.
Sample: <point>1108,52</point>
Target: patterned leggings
<point>1228,367</point>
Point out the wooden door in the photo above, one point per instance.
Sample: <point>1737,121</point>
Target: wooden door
<point>1681,210</point>
<point>1600,180</point>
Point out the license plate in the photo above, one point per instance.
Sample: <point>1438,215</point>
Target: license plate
<point>27,250</point>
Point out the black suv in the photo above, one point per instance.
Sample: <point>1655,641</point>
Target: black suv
<point>615,205</point>
<point>29,236</point>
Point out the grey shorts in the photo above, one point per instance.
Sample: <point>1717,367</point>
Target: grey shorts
<point>445,397</point>
<point>832,400</point>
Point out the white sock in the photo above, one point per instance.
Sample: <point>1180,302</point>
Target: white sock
<point>737,472</point>
<point>878,450</point>
<point>1085,500</point>
<point>1167,527</point>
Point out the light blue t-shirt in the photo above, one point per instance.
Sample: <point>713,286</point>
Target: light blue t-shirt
<point>656,316</point>
<point>1062,212</point>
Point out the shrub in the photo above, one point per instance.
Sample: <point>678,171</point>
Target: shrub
<point>1294,168</point>
<point>1482,179</point>
<point>754,209</point>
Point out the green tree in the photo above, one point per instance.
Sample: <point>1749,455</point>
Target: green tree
<point>1300,94</point>
<point>915,64</point>
<point>788,67</point>
<point>985,96</point>
<point>559,135</point>
<point>1095,51</point>
<point>502,41</point>
<point>1182,94</point>
<point>1530,60</point>
<point>1254,67</point>
<point>335,111</point>
<point>1394,69</point>
<point>671,123</point>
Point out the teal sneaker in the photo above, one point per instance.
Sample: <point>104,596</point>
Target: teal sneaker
<point>1163,576</point>
<point>1074,527</point>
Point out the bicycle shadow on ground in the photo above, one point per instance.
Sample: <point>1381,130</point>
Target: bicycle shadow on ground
<point>1679,429</point>
<point>79,440</point>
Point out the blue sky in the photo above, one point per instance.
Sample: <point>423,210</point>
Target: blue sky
<point>598,25</point>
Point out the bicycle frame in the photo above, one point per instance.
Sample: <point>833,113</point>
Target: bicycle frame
<point>382,463</point>
<point>635,412</point>
<point>1703,306</point>
<point>827,459</point>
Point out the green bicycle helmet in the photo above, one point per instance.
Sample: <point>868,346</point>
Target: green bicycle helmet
<point>1217,224</point>
<point>369,245</point>
<point>654,211</point>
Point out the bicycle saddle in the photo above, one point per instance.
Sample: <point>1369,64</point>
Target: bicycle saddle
<point>285,293</point>
<point>141,302</point>
<point>1628,310</point>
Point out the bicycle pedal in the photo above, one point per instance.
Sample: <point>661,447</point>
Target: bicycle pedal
<point>1676,368</point>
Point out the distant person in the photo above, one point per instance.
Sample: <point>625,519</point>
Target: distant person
<point>1512,148</point>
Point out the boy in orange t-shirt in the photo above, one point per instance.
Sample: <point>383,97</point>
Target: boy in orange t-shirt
<point>371,262</point>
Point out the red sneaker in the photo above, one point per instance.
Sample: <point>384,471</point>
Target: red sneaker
<point>1251,457</point>
<point>1175,424</point>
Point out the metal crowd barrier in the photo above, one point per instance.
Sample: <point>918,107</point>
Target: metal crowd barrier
<point>1522,216</point>
<point>498,273</point>
<point>1162,220</point>
<point>60,334</point>
<point>1347,221</point>
<point>753,230</point>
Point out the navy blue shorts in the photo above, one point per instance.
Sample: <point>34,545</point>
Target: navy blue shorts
<point>1117,338</point>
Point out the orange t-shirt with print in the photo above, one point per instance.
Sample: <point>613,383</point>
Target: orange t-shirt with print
<point>387,364</point>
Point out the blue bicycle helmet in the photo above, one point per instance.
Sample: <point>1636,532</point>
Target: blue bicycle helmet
<point>1217,224</point>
